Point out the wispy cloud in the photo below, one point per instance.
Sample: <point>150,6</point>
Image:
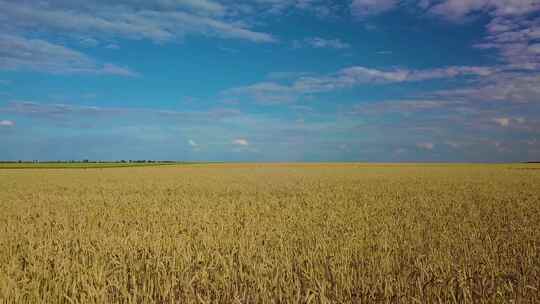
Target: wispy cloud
<point>513,31</point>
<point>320,43</point>
<point>518,88</point>
<point>157,21</point>
<point>19,53</point>
<point>100,23</point>
<point>65,112</point>
<point>514,28</point>
<point>194,145</point>
<point>450,9</point>
<point>89,42</point>
<point>7,123</point>
<point>426,146</point>
<point>227,131</point>
<point>502,121</point>
<point>509,121</point>
<point>112,46</point>
<point>241,142</point>
<point>208,6</point>
<point>405,106</point>
<point>275,93</point>
<point>457,9</point>
<point>265,93</point>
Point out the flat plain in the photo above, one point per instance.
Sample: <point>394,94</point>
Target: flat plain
<point>271,233</point>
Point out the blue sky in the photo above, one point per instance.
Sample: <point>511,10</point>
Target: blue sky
<point>270,80</point>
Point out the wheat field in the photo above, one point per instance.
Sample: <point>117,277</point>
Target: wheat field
<point>271,233</point>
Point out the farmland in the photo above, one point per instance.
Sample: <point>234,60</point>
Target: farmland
<point>271,233</point>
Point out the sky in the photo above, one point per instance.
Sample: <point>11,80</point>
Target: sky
<point>270,80</point>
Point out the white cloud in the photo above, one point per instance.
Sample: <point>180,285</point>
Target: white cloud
<point>507,121</point>
<point>466,117</point>
<point>515,39</point>
<point>400,106</point>
<point>7,123</point>
<point>450,9</point>
<point>112,69</point>
<point>426,146</point>
<point>112,46</point>
<point>91,23</point>
<point>274,93</point>
<point>241,142</point>
<point>457,9</point>
<point>454,144</point>
<point>320,8</point>
<point>266,93</point>
<point>514,29</point>
<point>502,121</point>
<point>89,42</point>
<point>193,143</point>
<point>356,75</point>
<point>204,5</point>
<point>318,42</point>
<point>534,48</point>
<point>162,21</point>
<point>64,112</point>
<point>518,88</point>
<point>19,53</point>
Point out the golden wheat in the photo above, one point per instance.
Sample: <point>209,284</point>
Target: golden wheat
<point>271,233</point>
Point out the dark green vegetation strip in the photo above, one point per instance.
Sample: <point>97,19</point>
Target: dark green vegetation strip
<point>79,165</point>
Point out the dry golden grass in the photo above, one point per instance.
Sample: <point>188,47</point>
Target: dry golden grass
<point>281,233</point>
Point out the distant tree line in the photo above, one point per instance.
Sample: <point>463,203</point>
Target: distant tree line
<point>86,161</point>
